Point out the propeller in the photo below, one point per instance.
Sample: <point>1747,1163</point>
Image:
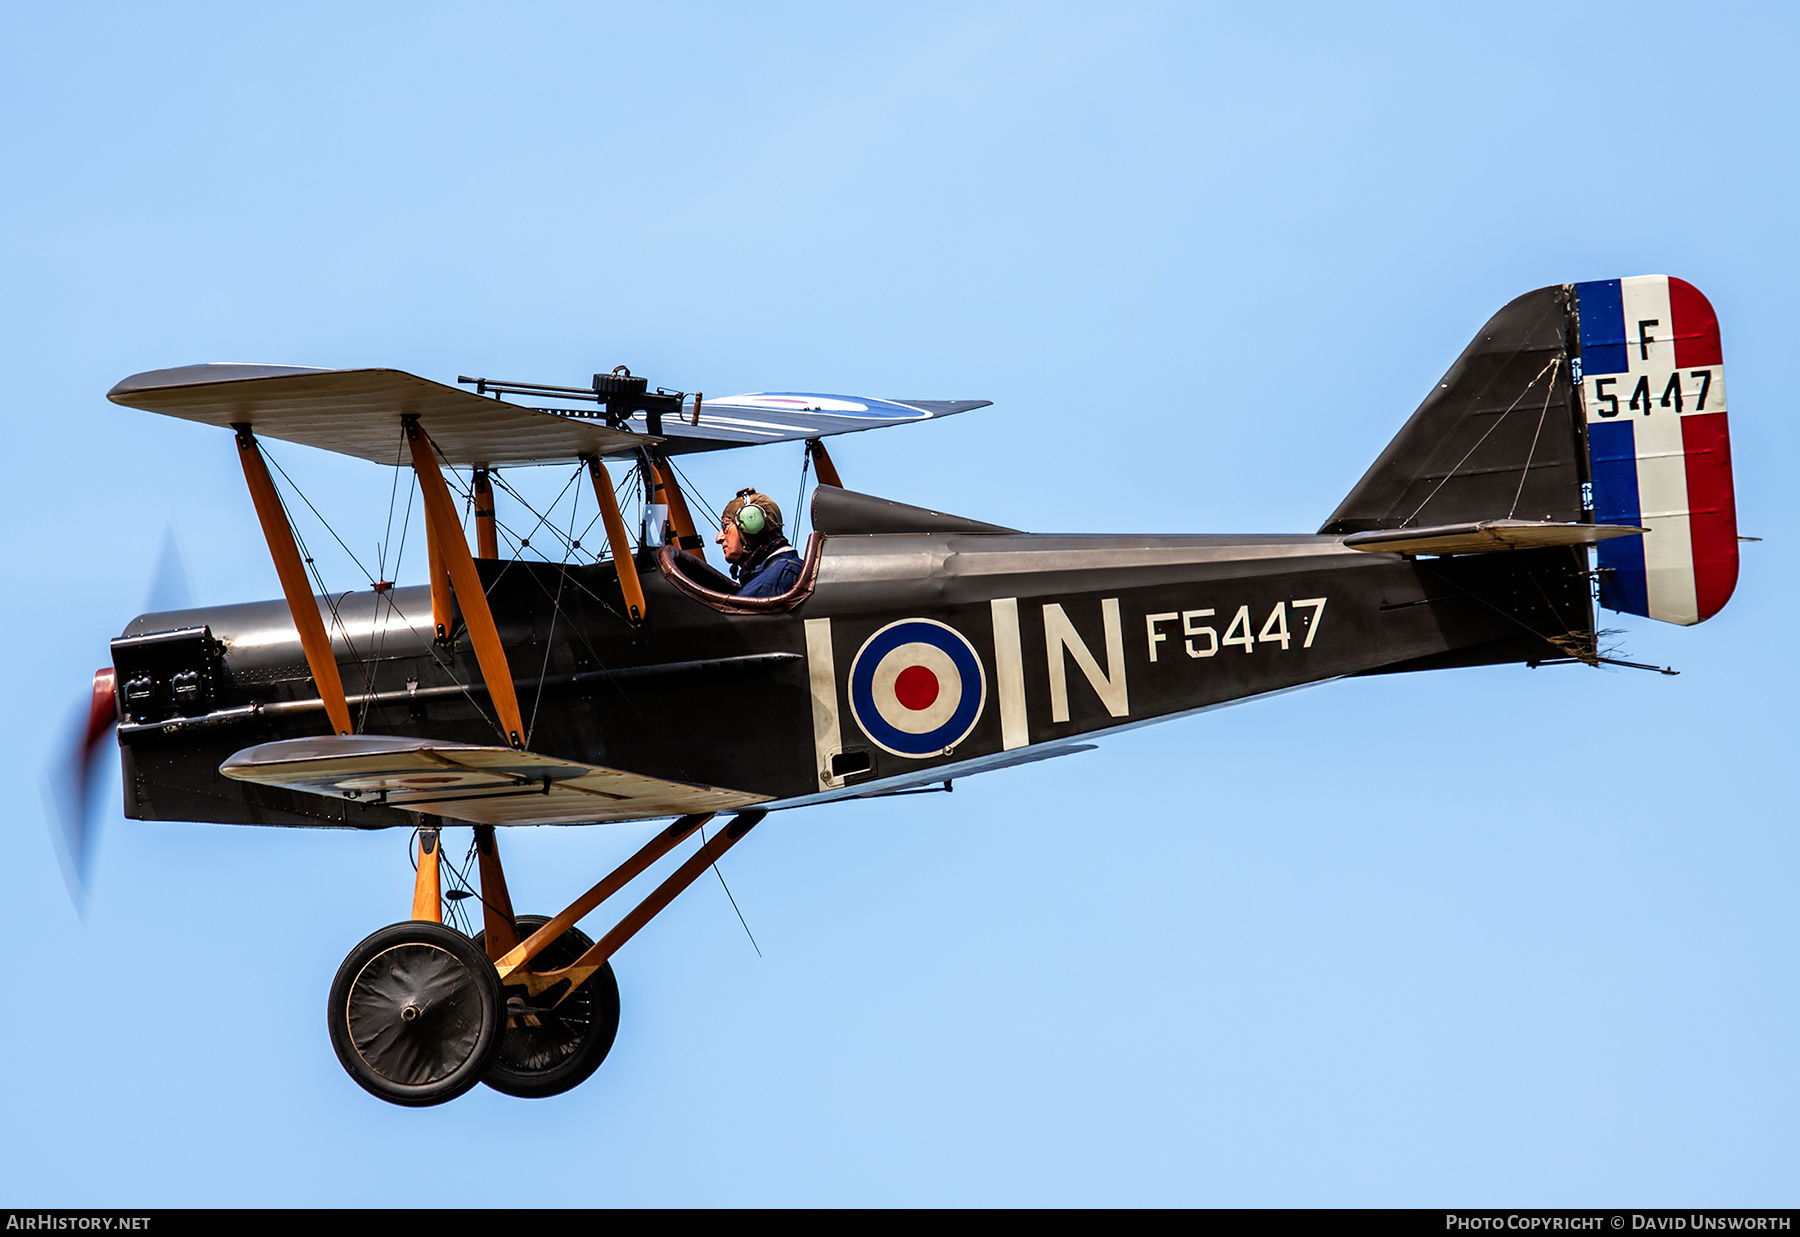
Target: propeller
<point>74,779</point>
<point>73,786</point>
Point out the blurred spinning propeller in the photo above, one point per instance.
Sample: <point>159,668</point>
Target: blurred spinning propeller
<point>73,783</point>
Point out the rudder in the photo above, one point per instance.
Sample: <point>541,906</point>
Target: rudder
<point>1653,390</point>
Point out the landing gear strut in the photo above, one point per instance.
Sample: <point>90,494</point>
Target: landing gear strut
<point>419,1013</point>
<point>553,1042</point>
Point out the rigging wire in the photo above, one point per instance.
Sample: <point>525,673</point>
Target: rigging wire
<point>387,532</point>
<point>472,888</point>
<point>443,661</point>
<point>734,905</point>
<point>331,603</point>
<point>805,466</point>
<point>322,520</point>
<point>1498,421</point>
<point>459,880</point>
<point>693,491</point>
<point>574,581</point>
<point>405,523</point>
<point>386,596</point>
<point>438,657</point>
<point>584,534</point>
<point>671,755</point>
<point>1542,414</point>
<point>440,660</point>
<point>562,577</point>
<point>543,517</point>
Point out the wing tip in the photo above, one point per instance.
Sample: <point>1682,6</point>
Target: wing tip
<point>202,374</point>
<point>946,407</point>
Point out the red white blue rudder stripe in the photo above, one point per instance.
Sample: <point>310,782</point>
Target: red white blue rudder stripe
<point>917,688</point>
<point>1653,388</point>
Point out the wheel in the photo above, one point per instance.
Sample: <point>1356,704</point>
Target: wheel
<point>416,1014</point>
<point>547,1049</point>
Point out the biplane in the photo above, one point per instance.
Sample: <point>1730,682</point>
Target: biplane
<point>1575,455</point>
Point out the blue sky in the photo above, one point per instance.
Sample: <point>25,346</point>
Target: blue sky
<point>1485,937</point>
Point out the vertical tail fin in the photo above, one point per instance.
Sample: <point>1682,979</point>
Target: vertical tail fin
<point>1498,438</point>
<point>1617,383</point>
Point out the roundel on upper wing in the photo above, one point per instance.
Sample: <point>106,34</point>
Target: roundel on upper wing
<point>917,688</point>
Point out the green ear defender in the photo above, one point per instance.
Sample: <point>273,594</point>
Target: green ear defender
<point>751,520</point>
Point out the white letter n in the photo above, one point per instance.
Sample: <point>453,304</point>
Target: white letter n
<point>1060,634</point>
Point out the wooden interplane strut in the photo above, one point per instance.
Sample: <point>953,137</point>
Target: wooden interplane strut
<point>617,539</point>
<point>294,585</point>
<point>446,534</point>
<point>487,543</point>
<point>668,492</point>
<point>441,620</point>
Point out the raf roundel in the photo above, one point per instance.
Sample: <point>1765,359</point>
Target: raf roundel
<point>917,688</point>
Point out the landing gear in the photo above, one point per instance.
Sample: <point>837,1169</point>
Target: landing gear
<point>416,1014</point>
<point>419,1013</point>
<point>548,1047</point>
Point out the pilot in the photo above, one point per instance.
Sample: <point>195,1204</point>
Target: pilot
<point>762,561</point>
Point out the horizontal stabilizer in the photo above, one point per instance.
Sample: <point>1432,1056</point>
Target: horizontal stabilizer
<point>463,781</point>
<point>1486,536</point>
<point>357,412</point>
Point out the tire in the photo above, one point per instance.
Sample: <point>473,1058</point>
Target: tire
<point>570,1040</point>
<point>416,1014</point>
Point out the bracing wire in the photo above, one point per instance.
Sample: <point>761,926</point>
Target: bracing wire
<point>732,900</point>
<point>555,599</point>
<point>405,523</point>
<point>556,609</point>
<point>385,597</point>
<point>320,518</point>
<point>693,492</point>
<point>543,518</point>
<point>1498,421</point>
<point>387,531</point>
<point>511,535</point>
<point>586,529</point>
<point>575,582</point>
<point>800,495</point>
<point>366,670</point>
<point>1538,433</point>
<point>450,909</point>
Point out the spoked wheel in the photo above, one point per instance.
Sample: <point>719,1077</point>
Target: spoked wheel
<point>547,1048</point>
<point>416,1013</point>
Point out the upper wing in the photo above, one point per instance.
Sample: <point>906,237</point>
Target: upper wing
<point>783,416</point>
<point>464,781</point>
<point>357,412</point>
